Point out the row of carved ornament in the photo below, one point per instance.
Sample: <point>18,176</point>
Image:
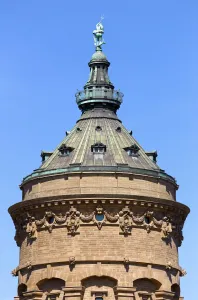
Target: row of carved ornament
<point>125,218</point>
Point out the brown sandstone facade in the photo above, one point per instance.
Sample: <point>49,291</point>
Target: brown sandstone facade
<point>99,219</point>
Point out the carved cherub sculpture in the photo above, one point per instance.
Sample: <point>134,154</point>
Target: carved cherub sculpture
<point>166,228</point>
<point>31,228</point>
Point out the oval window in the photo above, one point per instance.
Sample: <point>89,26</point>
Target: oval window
<point>99,217</point>
<point>50,220</point>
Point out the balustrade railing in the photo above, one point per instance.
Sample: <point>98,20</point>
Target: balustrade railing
<point>99,94</point>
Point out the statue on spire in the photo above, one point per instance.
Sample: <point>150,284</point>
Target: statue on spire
<point>98,32</point>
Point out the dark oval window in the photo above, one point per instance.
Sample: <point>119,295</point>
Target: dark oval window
<point>50,220</point>
<point>147,220</point>
<point>98,128</point>
<point>99,217</point>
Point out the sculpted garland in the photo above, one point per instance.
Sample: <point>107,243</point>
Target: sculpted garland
<point>126,220</point>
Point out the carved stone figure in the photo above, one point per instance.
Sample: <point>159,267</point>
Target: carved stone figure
<point>169,265</point>
<point>148,221</point>
<point>183,272</point>
<point>73,220</point>
<point>29,265</point>
<point>15,272</point>
<point>126,261</point>
<point>166,228</point>
<point>125,220</point>
<point>99,210</point>
<point>49,220</point>
<point>31,228</point>
<point>20,226</point>
<point>72,260</point>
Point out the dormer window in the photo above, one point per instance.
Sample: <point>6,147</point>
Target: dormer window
<point>64,150</point>
<point>45,155</point>
<point>98,148</point>
<point>133,150</point>
<point>118,129</point>
<point>131,132</point>
<point>78,129</point>
<point>152,155</point>
<point>98,128</point>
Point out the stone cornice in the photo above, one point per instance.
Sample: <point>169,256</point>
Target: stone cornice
<point>142,201</point>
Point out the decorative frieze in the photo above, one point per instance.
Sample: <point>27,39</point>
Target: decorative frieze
<point>125,218</point>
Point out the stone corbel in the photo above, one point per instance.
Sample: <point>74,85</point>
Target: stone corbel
<point>126,263</point>
<point>72,262</point>
<point>169,265</point>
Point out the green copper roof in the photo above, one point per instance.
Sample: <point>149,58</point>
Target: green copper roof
<point>99,126</point>
<point>99,141</point>
<point>98,56</point>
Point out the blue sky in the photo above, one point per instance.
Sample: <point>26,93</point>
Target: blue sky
<point>44,50</point>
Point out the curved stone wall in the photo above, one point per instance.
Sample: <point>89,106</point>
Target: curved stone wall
<point>110,184</point>
<point>81,227</point>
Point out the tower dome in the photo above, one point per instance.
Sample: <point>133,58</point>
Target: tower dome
<point>98,56</point>
<point>99,218</point>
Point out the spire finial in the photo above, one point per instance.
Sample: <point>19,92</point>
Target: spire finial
<point>98,32</point>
